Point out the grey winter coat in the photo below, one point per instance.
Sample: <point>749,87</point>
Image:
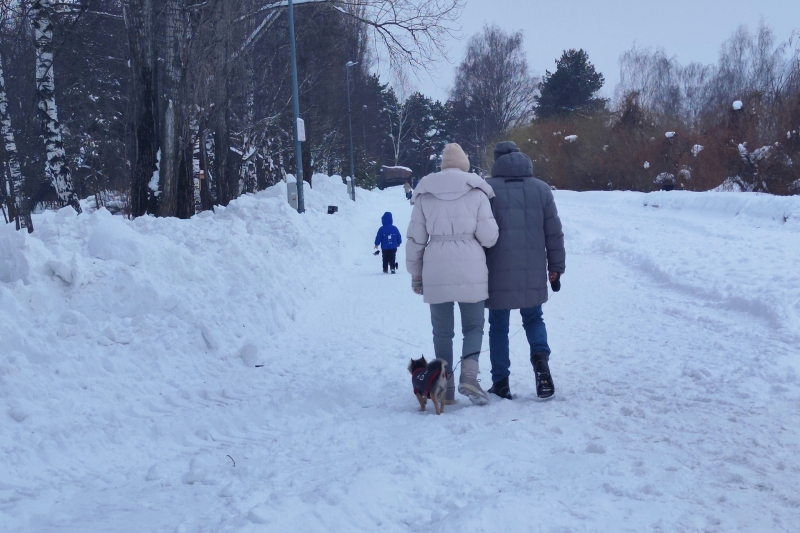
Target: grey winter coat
<point>531,241</point>
<point>450,226</point>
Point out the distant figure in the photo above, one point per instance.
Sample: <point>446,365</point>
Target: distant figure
<point>451,224</point>
<point>408,189</point>
<point>528,254</point>
<point>389,238</point>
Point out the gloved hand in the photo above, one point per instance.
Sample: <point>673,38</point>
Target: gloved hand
<point>555,281</point>
<point>416,285</point>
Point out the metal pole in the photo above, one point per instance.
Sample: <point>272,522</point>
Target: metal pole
<point>364,130</point>
<point>350,121</point>
<point>298,147</point>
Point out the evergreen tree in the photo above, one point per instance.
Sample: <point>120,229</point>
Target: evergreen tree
<point>572,87</point>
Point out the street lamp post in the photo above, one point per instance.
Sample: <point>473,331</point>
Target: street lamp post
<point>364,128</point>
<point>298,147</point>
<point>350,122</point>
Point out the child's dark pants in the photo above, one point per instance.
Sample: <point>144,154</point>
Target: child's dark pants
<point>389,259</point>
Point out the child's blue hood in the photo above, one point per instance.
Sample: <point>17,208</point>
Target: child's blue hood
<point>387,219</point>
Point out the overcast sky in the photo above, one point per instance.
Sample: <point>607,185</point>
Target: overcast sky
<point>692,30</point>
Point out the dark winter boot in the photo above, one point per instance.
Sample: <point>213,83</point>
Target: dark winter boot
<point>544,381</point>
<point>500,388</point>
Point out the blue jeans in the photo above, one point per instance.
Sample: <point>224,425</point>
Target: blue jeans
<point>498,338</point>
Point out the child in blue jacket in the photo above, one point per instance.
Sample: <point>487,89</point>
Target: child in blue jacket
<point>389,239</point>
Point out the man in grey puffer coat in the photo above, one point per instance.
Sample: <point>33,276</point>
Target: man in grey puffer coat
<point>531,245</point>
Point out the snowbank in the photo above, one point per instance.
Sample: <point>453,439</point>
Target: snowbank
<point>745,207</point>
<point>672,237</point>
<point>100,316</point>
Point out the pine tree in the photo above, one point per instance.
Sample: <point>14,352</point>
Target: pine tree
<point>572,87</point>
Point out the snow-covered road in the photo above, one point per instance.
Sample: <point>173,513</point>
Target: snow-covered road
<point>128,385</point>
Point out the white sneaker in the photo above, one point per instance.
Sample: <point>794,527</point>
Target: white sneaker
<point>468,384</point>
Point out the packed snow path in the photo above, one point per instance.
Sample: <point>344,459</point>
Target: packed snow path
<point>129,383</point>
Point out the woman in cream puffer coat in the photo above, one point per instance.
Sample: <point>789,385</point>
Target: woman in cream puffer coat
<point>451,224</point>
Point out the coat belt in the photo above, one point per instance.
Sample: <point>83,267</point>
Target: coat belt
<point>464,237</point>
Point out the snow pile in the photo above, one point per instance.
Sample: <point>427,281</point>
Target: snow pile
<point>737,105</point>
<point>571,138</point>
<point>105,319</point>
<point>752,209</point>
<point>669,134</point>
<point>734,184</point>
<point>664,178</point>
<point>156,177</point>
<point>92,260</point>
<point>696,149</point>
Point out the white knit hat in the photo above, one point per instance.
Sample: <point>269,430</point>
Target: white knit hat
<point>454,157</point>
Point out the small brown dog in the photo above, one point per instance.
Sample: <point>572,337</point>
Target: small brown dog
<point>429,381</point>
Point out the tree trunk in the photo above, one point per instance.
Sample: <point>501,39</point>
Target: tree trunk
<point>185,200</point>
<point>175,136</point>
<point>224,178</point>
<point>57,169</point>
<point>206,200</point>
<point>196,166</point>
<point>18,206</point>
<point>141,32</point>
<point>261,172</point>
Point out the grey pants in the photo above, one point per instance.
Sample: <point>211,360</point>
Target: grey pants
<point>443,322</point>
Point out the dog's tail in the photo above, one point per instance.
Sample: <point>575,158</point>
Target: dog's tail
<point>442,364</point>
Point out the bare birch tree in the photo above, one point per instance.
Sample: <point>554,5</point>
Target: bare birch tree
<point>493,85</point>
<point>57,169</point>
<point>18,205</point>
<point>397,112</point>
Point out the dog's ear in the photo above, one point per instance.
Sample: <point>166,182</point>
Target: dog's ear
<point>423,361</point>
